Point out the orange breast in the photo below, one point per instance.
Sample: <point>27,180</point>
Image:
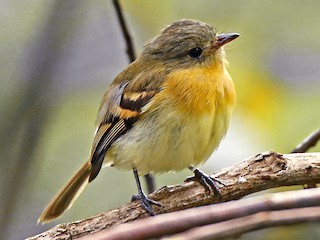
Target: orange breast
<point>200,90</point>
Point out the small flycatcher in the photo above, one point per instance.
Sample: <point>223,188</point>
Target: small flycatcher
<point>167,111</point>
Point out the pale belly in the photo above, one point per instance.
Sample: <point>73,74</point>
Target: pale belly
<point>169,143</point>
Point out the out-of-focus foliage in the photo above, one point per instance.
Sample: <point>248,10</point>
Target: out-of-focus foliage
<point>274,65</point>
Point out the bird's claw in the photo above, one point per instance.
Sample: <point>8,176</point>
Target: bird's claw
<point>146,203</point>
<point>208,182</point>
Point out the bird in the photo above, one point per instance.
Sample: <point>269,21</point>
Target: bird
<point>167,111</point>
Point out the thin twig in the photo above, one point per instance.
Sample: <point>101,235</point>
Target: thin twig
<point>308,142</point>
<point>151,183</point>
<point>126,34</point>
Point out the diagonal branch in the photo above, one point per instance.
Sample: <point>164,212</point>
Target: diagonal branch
<point>238,226</point>
<point>126,34</point>
<point>263,171</point>
<point>308,142</point>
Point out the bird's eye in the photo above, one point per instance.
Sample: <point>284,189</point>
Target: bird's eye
<point>195,52</point>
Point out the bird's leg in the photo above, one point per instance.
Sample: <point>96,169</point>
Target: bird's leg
<point>145,201</point>
<point>208,182</point>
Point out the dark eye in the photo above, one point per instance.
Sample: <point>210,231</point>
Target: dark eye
<point>195,52</point>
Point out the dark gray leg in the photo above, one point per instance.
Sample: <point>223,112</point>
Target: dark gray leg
<point>145,201</point>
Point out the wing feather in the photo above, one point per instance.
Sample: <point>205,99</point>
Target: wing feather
<point>109,135</point>
<point>120,109</point>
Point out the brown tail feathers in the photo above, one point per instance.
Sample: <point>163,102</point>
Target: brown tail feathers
<point>64,199</point>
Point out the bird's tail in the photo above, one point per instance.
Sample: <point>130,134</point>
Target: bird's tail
<point>64,199</point>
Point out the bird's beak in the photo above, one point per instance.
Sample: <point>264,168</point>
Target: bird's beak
<point>224,38</point>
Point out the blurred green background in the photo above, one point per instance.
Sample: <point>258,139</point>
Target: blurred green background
<point>57,58</point>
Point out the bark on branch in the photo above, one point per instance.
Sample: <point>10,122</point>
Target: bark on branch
<point>263,171</point>
<point>222,221</point>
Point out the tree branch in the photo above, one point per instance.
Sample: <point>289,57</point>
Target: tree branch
<point>308,142</point>
<point>263,171</point>
<point>238,226</point>
<point>225,220</point>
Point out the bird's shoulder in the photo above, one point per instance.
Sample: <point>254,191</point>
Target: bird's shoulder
<point>131,90</point>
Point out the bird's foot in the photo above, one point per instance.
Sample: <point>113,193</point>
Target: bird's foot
<point>208,182</point>
<point>146,203</point>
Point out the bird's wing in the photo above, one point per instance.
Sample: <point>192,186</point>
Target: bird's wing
<point>120,109</point>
